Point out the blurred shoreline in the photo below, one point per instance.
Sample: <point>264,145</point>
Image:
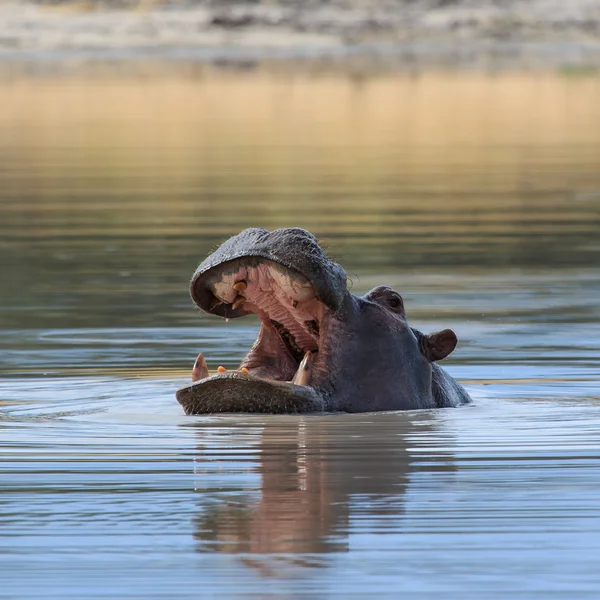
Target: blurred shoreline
<point>523,35</point>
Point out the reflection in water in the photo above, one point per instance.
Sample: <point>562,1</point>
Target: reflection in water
<point>314,473</point>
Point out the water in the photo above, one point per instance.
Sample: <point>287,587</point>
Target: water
<point>476,197</point>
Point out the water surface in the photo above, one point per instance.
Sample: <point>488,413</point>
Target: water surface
<point>477,197</point>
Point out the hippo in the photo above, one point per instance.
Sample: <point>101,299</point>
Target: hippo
<point>320,348</point>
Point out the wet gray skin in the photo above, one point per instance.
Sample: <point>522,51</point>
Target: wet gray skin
<point>320,348</point>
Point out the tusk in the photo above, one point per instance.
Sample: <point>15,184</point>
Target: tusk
<point>238,302</point>
<point>221,370</point>
<point>240,286</point>
<point>200,370</point>
<point>304,370</point>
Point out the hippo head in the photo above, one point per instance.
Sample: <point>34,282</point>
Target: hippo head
<point>319,348</point>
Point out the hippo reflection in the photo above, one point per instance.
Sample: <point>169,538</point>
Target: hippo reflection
<point>320,347</point>
<point>317,476</point>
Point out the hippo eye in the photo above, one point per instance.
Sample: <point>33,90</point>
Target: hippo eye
<point>394,302</point>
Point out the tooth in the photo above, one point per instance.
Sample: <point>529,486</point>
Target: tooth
<point>215,303</point>
<point>238,302</point>
<point>304,370</point>
<point>200,370</point>
<point>240,286</point>
<point>221,370</point>
<point>245,371</point>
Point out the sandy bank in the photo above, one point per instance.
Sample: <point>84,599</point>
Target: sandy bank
<point>523,34</point>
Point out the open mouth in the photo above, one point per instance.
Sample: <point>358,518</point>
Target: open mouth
<point>286,280</point>
<point>293,319</point>
<point>286,355</point>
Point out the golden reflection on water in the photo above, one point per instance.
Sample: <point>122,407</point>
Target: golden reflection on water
<point>114,128</point>
<point>271,133</point>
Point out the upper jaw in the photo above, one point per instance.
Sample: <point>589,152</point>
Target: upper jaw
<point>296,250</point>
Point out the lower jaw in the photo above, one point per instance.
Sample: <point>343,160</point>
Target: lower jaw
<point>238,392</point>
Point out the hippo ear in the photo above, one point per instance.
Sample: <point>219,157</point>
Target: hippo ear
<point>436,346</point>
